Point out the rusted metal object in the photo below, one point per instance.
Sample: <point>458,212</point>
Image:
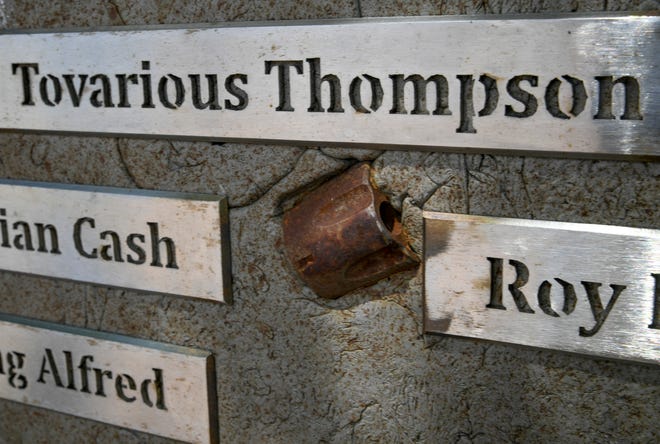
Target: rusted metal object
<point>346,235</point>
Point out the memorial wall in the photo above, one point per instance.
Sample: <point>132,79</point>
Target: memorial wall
<point>423,221</point>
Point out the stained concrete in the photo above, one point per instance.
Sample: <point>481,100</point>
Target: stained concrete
<point>292,367</point>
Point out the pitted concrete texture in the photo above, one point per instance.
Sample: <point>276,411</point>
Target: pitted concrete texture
<point>293,368</point>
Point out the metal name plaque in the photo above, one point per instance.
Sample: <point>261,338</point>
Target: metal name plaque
<point>590,289</point>
<point>582,85</point>
<point>162,242</point>
<point>161,389</point>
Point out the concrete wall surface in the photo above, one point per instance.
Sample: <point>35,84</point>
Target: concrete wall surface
<point>294,368</point>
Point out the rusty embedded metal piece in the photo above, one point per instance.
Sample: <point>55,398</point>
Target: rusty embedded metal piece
<point>346,235</point>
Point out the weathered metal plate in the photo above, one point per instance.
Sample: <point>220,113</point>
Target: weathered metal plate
<point>582,85</point>
<point>161,242</point>
<point>591,289</point>
<point>142,385</point>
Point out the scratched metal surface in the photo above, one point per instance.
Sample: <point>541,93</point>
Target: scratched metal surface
<point>198,266</point>
<point>458,279</point>
<point>502,47</point>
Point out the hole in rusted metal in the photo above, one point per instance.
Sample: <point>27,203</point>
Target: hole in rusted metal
<point>389,215</point>
<point>345,235</point>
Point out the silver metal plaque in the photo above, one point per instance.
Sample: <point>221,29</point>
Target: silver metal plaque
<point>161,389</point>
<point>591,289</point>
<point>582,85</point>
<point>162,242</point>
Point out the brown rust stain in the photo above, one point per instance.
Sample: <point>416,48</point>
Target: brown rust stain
<point>345,235</point>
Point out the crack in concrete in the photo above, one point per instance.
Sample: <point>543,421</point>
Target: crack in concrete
<point>4,17</point>
<point>469,434</point>
<point>273,185</point>
<point>410,313</point>
<point>85,306</point>
<point>523,179</point>
<point>175,165</point>
<point>292,195</point>
<point>124,164</point>
<point>355,422</point>
<point>466,184</point>
<point>117,10</point>
<point>103,309</point>
<point>38,155</point>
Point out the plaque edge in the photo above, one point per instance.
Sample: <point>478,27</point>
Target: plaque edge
<point>540,223</point>
<point>104,335</point>
<point>644,156</point>
<point>586,355</point>
<point>606,15</point>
